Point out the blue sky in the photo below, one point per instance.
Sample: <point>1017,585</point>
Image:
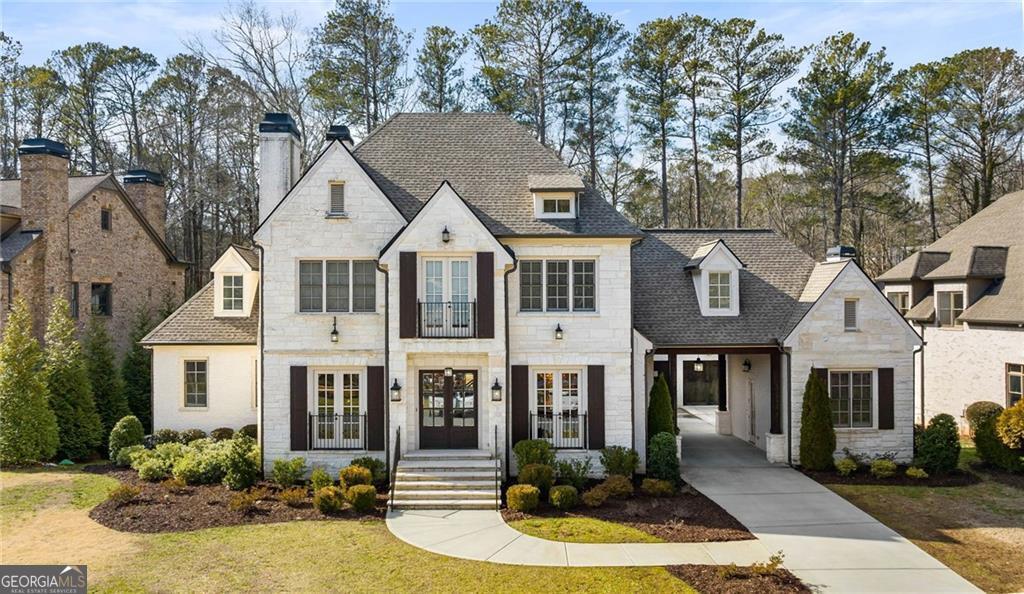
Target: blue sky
<point>912,31</point>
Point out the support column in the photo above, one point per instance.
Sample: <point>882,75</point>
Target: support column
<point>723,420</point>
<point>775,441</point>
<point>673,373</point>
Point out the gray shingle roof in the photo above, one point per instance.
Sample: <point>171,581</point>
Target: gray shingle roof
<point>79,186</point>
<point>915,266</point>
<point>15,242</point>
<point>665,308</point>
<point>555,181</point>
<point>488,159</point>
<point>194,323</point>
<point>1003,302</point>
<point>249,255</point>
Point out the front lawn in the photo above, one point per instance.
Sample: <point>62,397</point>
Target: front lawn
<point>354,556</point>
<point>977,530</point>
<point>572,529</point>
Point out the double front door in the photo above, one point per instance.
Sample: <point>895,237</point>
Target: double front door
<point>448,409</point>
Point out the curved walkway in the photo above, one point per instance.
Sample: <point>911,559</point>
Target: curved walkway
<point>483,535</point>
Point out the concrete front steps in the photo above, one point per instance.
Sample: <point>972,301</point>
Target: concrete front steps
<point>446,479</point>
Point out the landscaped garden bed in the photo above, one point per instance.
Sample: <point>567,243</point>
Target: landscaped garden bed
<point>863,476</point>
<point>738,580</point>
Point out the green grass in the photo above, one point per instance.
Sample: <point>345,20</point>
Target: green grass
<point>586,530</point>
<point>81,490</point>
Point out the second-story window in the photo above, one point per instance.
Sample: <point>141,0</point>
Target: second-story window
<point>102,300</point>
<point>901,301</point>
<point>950,306</point>
<point>106,219</point>
<point>233,292</point>
<point>719,290</point>
<point>340,286</point>
<point>557,285</point>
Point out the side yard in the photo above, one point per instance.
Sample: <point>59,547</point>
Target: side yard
<point>976,529</point>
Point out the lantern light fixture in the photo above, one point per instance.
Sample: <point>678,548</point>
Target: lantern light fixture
<point>396,391</point>
<point>448,371</point>
<point>746,366</point>
<point>334,330</point>
<point>559,333</point>
<point>496,391</point>
<point>698,365</point>
<point>446,235</point>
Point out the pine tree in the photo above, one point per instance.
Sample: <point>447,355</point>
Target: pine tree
<point>81,430</point>
<point>104,376</point>
<point>438,70</point>
<point>136,372</point>
<point>817,435</point>
<point>28,428</point>
<point>659,411</point>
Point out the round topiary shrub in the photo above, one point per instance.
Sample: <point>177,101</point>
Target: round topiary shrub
<point>846,466</point>
<point>541,476</point>
<point>124,456</point>
<point>979,411</point>
<point>1010,426</point>
<point>355,475</point>
<point>991,448</point>
<point>362,497</point>
<point>817,435</point>
<point>126,432</point>
<point>248,430</point>
<point>533,451</point>
<point>222,433</point>
<point>564,497</point>
<point>883,468</point>
<point>660,416</point>
<point>375,466</point>
<point>161,436</point>
<point>595,497</point>
<point>329,500</point>
<point>189,435</point>
<point>916,473</point>
<point>523,498</point>
<point>662,458</point>
<point>938,450</point>
<point>618,486</point>
<point>657,487</point>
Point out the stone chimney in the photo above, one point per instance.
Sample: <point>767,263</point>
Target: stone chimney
<point>280,155</point>
<point>339,132</point>
<point>839,253</point>
<point>44,205</point>
<point>146,189</point>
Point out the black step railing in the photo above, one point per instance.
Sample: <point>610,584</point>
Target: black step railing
<point>565,431</point>
<point>497,472</point>
<point>447,319</point>
<point>337,431</point>
<point>397,456</point>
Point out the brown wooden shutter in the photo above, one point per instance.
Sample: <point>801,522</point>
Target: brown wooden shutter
<point>407,295</point>
<point>520,394</point>
<point>375,403</point>
<point>299,412</point>
<point>595,407</point>
<point>485,294</point>
<point>886,401</point>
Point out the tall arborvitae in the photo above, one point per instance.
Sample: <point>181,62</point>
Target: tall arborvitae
<point>817,435</point>
<point>105,377</point>
<point>67,378</point>
<point>28,429</point>
<point>136,370</point>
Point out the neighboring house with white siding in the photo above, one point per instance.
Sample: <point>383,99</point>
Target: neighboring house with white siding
<point>448,287</point>
<point>964,294</point>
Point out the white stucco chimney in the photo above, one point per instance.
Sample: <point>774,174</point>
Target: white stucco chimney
<point>280,158</point>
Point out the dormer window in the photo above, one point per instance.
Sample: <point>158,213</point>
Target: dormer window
<point>951,305</point>
<point>233,293</point>
<point>719,290</point>
<point>336,207</point>
<point>555,205</point>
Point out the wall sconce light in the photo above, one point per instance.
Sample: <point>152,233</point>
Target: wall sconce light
<point>496,391</point>
<point>448,371</point>
<point>698,365</point>
<point>446,235</point>
<point>334,331</point>
<point>746,366</point>
<point>396,391</point>
<point>559,333</point>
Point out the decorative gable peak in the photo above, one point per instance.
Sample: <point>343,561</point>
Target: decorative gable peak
<point>236,275</point>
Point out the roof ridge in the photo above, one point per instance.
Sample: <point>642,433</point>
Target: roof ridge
<point>708,230</point>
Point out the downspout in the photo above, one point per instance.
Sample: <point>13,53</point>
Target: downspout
<point>387,370</point>
<point>508,373</point>
<point>920,349</point>
<point>263,374</point>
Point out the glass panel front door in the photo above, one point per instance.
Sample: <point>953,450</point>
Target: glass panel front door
<point>448,409</point>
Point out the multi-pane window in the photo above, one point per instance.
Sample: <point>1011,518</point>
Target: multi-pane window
<point>337,286</point>
<point>337,205</point>
<point>325,406</point>
<point>556,206</point>
<point>195,384</point>
<point>950,306</point>
<point>106,219</point>
<point>233,292</point>
<point>719,290</point>
<point>850,314</point>
<point>901,301</point>
<point>851,394</point>
<point>350,421</point>
<point>1014,383</point>
<point>73,300</point>
<point>102,300</point>
<point>558,404</point>
<point>557,285</point>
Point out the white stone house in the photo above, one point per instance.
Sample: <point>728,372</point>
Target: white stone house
<point>964,294</point>
<point>205,354</point>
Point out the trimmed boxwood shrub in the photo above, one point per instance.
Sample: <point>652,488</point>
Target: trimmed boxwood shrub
<point>375,466</point>
<point>564,497</point>
<point>938,449</point>
<point>620,460</point>
<point>329,500</point>
<point>846,466</point>
<point>124,456</point>
<point>1010,426</point>
<point>662,458</point>
<point>817,435</point>
<point>657,487</point>
<point>660,416</point>
<point>318,479</point>
<point>126,432</point>
<point>916,473</point>
<point>248,430</point>
<point>618,486</point>
<point>978,411</point>
<point>293,497</point>
<point>222,433</point>
<point>288,472</point>
<point>197,467</point>
<point>533,451</point>
<point>362,497</point>
<point>166,436</point>
<point>242,463</point>
<point>883,468</point>
<point>573,472</point>
<point>189,435</point>
<point>991,449</point>
<point>523,498</point>
<point>152,469</point>
<point>355,475</point>
<point>541,476</point>
<point>595,497</point>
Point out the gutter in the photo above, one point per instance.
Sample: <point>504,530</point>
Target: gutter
<point>508,373</point>
<point>920,349</point>
<point>387,374</point>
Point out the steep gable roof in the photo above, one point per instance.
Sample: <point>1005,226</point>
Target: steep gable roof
<point>490,159</point>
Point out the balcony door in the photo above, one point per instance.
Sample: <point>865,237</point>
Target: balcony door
<point>337,417</point>
<point>447,308</point>
<point>448,409</point>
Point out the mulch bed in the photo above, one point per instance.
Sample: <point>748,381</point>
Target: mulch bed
<point>685,517</point>
<point>158,509</point>
<point>710,578</point>
<point>957,478</point>
<point>998,475</point>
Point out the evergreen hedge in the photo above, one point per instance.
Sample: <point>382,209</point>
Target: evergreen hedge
<point>104,376</point>
<point>80,427</point>
<point>660,416</point>
<point>136,370</point>
<point>817,435</point>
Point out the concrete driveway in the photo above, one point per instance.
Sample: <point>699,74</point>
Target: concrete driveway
<point>828,542</point>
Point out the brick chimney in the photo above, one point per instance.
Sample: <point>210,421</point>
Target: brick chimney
<point>280,154</point>
<point>146,189</point>
<point>44,204</point>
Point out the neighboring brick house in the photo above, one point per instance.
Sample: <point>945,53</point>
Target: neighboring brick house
<point>90,238</point>
<point>964,294</point>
